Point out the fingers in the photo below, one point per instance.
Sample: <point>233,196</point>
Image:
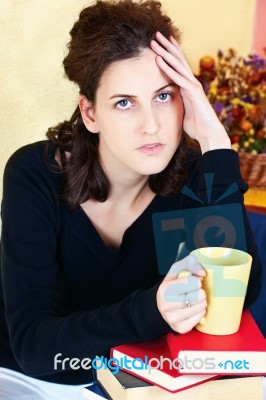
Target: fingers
<point>177,314</point>
<point>172,60</point>
<point>189,263</point>
<point>169,59</point>
<point>173,74</point>
<point>180,298</point>
<point>171,52</point>
<point>180,315</point>
<point>183,320</point>
<point>188,323</point>
<point>165,46</point>
<point>185,293</point>
<point>179,289</point>
<point>173,47</point>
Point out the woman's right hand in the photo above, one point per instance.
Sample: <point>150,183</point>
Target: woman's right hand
<point>180,298</point>
<point>200,120</point>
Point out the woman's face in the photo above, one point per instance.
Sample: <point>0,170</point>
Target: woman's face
<point>138,113</point>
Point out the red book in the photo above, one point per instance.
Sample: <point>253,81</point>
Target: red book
<point>143,359</point>
<point>242,353</point>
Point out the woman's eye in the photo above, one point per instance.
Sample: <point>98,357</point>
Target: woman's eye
<point>123,104</point>
<point>164,97</point>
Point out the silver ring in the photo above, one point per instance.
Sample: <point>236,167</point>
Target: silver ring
<point>187,302</point>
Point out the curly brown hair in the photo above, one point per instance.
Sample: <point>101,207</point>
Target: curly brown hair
<point>105,32</point>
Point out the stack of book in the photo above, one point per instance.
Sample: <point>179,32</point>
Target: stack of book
<point>187,367</point>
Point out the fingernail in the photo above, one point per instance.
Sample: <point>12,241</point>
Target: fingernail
<point>202,272</point>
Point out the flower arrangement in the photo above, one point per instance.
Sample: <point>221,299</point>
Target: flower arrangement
<point>236,88</point>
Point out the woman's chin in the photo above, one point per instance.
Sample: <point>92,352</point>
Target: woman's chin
<point>153,170</point>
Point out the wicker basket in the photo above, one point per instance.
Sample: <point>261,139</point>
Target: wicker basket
<point>253,169</point>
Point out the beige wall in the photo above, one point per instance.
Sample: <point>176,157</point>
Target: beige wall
<point>33,34</point>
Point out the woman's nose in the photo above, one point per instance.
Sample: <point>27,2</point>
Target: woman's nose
<point>149,123</point>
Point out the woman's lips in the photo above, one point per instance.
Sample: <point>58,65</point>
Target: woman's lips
<point>151,148</point>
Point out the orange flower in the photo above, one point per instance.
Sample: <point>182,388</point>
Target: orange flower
<point>245,125</point>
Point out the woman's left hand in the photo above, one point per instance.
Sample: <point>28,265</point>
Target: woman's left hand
<point>200,121</point>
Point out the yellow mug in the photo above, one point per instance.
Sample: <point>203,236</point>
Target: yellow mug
<point>225,284</point>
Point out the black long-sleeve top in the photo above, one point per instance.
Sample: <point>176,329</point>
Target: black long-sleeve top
<point>63,290</point>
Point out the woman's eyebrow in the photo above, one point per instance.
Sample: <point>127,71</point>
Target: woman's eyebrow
<point>164,87</point>
<point>123,95</point>
<point>134,96</point>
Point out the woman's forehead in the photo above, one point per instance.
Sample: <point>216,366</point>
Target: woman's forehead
<point>130,75</point>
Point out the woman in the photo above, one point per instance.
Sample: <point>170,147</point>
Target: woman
<point>79,267</point>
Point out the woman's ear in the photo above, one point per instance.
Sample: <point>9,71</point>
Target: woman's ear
<point>87,113</point>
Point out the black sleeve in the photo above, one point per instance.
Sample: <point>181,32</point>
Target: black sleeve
<point>219,183</point>
<point>30,225</point>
